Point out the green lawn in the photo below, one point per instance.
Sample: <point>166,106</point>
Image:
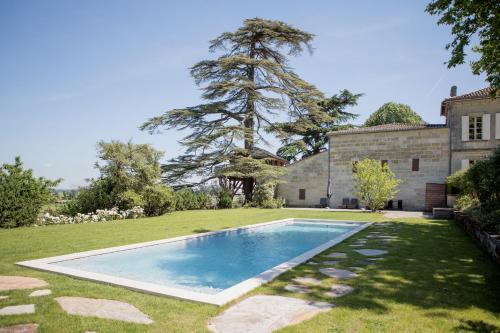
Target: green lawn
<point>433,280</point>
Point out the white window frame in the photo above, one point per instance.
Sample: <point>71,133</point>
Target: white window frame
<point>476,128</point>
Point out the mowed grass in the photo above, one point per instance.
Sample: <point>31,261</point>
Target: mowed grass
<point>434,279</point>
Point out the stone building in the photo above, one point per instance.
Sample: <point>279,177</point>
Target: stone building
<point>422,156</point>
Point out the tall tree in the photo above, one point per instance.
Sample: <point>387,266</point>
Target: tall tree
<point>471,19</point>
<point>308,134</point>
<point>394,113</point>
<point>248,84</point>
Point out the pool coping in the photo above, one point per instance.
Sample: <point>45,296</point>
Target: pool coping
<point>50,264</point>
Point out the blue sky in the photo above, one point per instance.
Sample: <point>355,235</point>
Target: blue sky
<point>76,72</point>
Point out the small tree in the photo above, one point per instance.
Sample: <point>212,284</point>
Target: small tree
<point>374,183</point>
<point>392,113</point>
<point>22,196</point>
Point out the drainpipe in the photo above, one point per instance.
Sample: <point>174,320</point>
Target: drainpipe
<point>328,188</point>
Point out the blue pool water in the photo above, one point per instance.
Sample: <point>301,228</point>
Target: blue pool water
<point>215,262</point>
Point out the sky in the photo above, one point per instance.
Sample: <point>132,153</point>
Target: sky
<point>73,73</point>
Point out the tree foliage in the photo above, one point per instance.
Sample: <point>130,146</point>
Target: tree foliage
<point>22,196</point>
<point>307,134</point>
<point>244,88</point>
<point>394,113</point>
<point>471,19</point>
<point>374,183</point>
<point>126,169</point>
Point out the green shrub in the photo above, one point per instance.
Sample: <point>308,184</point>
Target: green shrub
<point>224,200</point>
<point>465,201</point>
<point>204,200</point>
<point>374,183</point>
<point>158,200</point>
<point>186,199</point>
<point>272,203</point>
<point>263,192</point>
<point>22,196</point>
<point>130,199</point>
<point>69,208</point>
<point>459,182</point>
<point>97,195</point>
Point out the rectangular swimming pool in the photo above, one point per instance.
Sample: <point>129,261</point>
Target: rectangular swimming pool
<point>213,267</point>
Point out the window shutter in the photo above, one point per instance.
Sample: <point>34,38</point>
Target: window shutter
<point>497,126</point>
<point>486,126</point>
<point>465,128</point>
<point>465,164</point>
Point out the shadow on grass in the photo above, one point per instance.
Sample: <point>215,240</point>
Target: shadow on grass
<point>477,326</point>
<point>431,265</point>
<point>201,230</point>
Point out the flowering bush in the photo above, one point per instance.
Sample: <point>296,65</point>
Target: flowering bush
<point>100,215</point>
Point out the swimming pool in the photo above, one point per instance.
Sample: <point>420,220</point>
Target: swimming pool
<point>213,267</point>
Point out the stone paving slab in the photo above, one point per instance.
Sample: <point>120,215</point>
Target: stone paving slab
<point>265,314</point>
<point>20,282</point>
<point>307,280</point>
<point>3,297</point>
<point>338,255</point>
<point>338,273</point>
<point>371,252</point>
<point>330,262</point>
<point>294,288</point>
<point>103,308</point>
<point>17,309</point>
<point>23,328</point>
<point>41,292</point>
<point>339,290</point>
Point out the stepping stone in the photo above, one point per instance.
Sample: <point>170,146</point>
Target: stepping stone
<point>375,259</point>
<point>338,273</point>
<point>371,252</point>
<point>356,268</point>
<point>307,280</point>
<point>41,292</point>
<point>23,328</point>
<point>356,245</point>
<point>330,262</point>
<point>293,288</point>
<point>17,309</point>
<point>312,263</point>
<point>265,314</point>
<point>103,308</point>
<point>20,282</point>
<point>339,255</point>
<point>3,297</point>
<point>339,290</point>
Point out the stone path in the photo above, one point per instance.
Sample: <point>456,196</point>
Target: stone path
<point>371,252</point>
<point>338,273</point>
<point>17,309</point>
<point>265,314</point>
<point>338,255</point>
<point>3,297</point>
<point>339,290</point>
<point>23,328</point>
<point>20,282</point>
<point>330,262</point>
<point>294,288</point>
<point>103,308</point>
<point>41,292</point>
<point>307,280</point>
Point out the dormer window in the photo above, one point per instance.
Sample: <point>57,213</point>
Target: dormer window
<point>475,127</point>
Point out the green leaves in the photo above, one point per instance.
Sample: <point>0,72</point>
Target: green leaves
<point>22,196</point>
<point>471,20</point>
<point>394,113</point>
<point>374,183</point>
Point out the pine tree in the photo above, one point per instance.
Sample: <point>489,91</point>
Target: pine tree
<point>308,134</point>
<point>245,87</point>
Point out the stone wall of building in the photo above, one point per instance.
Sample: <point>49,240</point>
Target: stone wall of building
<point>310,174</point>
<point>398,148</point>
<point>472,149</point>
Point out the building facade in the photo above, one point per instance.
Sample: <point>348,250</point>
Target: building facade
<point>422,156</point>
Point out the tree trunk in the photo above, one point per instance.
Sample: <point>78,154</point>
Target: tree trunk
<point>248,183</point>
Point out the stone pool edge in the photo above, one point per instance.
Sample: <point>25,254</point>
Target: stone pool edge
<point>50,265</point>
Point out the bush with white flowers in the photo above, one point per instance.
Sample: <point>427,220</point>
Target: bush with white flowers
<point>99,215</point>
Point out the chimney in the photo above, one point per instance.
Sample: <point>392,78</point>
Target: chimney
<point>453,91</point>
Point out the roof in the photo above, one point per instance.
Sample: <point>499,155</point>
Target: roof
<point>478,94</point>
<point>387,128</point>
<point>262,153</point>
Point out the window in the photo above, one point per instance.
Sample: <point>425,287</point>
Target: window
<point>415,164</point>
<point>302,194</point>
<point>475,128</point>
